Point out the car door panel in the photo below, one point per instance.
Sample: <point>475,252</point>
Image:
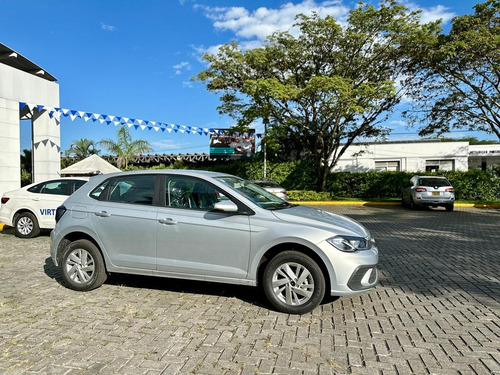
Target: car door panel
<point>130,248</point>
<point>202,243</point>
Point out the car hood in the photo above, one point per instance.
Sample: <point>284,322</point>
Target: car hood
<point>314,217</point>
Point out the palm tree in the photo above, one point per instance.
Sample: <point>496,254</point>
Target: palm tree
<point>124,147</point>
<point>82,148</point>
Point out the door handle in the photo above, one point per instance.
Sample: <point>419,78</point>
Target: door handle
<point>168,221</point>
<point>102,214</point>
<point>36,199</point>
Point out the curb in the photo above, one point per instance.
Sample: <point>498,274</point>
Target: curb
<point>370,203</point>
<point>1,226</point>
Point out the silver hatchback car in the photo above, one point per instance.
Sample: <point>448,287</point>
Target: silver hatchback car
<point>213,227</point>
<point>429,191</point>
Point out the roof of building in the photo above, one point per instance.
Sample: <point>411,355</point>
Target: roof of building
<point>14,59</point>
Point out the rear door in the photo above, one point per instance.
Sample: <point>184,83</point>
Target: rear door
<point>124,218</point>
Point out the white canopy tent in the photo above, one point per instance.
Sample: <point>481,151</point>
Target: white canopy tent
<point>90,166</point>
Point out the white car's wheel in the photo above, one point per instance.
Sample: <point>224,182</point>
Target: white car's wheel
<point>26,225</point>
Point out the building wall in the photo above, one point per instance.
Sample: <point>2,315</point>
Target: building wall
<point>405,156</point>
<point>484,156</point>
<point>18,86</point>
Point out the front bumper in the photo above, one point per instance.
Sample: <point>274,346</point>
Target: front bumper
<point>351,273</point>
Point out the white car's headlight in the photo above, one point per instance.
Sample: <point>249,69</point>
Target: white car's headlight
<point>351,243</point>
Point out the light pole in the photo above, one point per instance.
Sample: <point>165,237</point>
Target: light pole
<point>266,121</point>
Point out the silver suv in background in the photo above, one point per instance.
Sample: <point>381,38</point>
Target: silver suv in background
<point>210,226</point>
<point>429,191</point>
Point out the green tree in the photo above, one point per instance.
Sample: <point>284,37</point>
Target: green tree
<point>82,149</point>
<point>323,88</point>
<point>124,147</point>
<point>458,83</point>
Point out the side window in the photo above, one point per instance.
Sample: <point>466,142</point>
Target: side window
<point>77,185</point>
<point>96,193</point>
<point>51,187</point>
<point>139,189</point>
<point>191,193</point>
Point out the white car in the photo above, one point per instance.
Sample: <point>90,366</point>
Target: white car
<point>33,207</point>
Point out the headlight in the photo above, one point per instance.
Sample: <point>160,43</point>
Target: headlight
<point>351,243</point>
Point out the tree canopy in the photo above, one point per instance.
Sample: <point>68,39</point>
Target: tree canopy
<point>321,87</point>
<point>124,147</point>
<point>457,81</point>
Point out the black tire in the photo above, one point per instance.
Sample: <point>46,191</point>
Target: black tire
<point>413,206</point>
<point>82,266</point>
<point>450,207</point>
<point>403,203</point>
<point>282,289</point>
<point>26,225</point>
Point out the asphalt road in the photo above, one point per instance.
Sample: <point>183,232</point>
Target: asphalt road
<point>435,311</point>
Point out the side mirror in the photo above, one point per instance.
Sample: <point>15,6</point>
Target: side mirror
<point>226,206</point>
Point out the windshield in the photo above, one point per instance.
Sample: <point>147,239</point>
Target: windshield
<point>255,193</point>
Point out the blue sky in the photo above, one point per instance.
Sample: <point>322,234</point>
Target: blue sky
<point>136,58</point>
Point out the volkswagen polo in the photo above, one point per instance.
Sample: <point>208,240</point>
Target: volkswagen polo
<point>214,227</point>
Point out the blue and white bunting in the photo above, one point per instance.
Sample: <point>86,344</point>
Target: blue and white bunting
<point>56,112</point>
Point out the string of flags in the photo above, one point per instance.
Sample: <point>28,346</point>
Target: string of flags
<point>56,112</point>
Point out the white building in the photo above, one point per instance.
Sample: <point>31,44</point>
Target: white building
<point>405,156</point>
<point>23,81</point>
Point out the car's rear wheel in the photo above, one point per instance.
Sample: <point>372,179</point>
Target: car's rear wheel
<point>26,225</point>
<point>449,207</point>
<point>82,266</point>
<point>413,206</point>
<point>293,282</point>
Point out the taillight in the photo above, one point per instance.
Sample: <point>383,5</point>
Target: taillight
<point>420,189</point>
<point>60,212</point>
<point>450,190</point>
<point>5,200</point>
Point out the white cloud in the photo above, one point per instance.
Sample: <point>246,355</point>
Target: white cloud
<point>262,22</point>
<point>437,12</point>
<point>107,27</point>
<point>182,67</point>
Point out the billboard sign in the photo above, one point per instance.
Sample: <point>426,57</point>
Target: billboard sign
<point>234,145</point>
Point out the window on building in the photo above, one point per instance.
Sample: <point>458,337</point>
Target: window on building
<point>436,165</point>
<point>384,166</point>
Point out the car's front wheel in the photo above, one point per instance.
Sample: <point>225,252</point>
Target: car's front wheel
<point>26,225</point>
<point>82,266</point>
<point>293,282</point>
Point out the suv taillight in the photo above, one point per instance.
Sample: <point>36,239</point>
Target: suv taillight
<point>5,200</point>
<point>60,212</point>
<point>450,190</point>
<point>420,189</point>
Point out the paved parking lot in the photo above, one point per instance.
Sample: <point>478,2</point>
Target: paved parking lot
<point>435,311</point>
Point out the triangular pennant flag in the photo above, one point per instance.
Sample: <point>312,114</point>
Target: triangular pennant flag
<point>22,105</point>
<point>72,117</point>
<point>96,115</point>
<point>139,121</point>
<point>101,120</point>
<point>111,117</point>
<point>143,127</point>
<point>40,108</point>
<point>136,127</point>
<point>80,114</point>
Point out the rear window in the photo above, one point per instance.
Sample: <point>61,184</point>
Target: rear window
<point>434,182</point>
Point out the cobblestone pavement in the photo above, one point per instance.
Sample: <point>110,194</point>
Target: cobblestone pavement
<point>435,311</point>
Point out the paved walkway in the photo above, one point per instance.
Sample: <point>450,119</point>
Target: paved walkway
<point>436,311</point>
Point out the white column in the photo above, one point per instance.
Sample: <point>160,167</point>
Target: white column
<point>46,146</point>
<point>10,157</point>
